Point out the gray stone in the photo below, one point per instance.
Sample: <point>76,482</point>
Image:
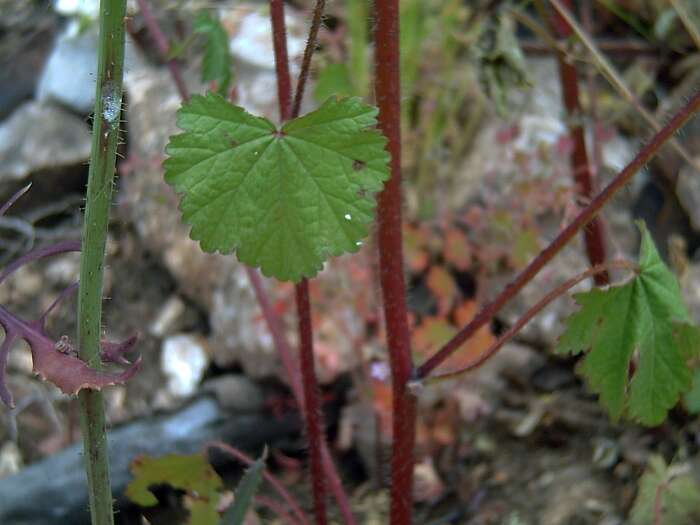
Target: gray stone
<point>39,137</point>
<point>58,482</point>
<point>235,392</point>
<point>69,74</point>
<point>183,360</point>
<point>251,42</point>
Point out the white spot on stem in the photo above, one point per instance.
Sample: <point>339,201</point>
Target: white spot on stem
<point>111,104</point>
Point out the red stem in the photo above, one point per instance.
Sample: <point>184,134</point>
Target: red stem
<point>312,413</point>
<point>279,42</point>
<point>584,217</point>
<point>274,326</point>
<point>594,236</point>
<point>391,272</point>
<point>532,312</point>
<point>163,46</point>
<point>308,53</point>
<point>272,480</point>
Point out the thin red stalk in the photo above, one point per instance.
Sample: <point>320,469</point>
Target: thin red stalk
<point>39,253</point>
<point>279,42</point>
<point>532,312</point>
<point>163,46</point>
<point>312,414</point>
<point>594,235</point>
<point>597,153</point>
<point>584,217</point>
<point>275,507</point>
<point>391,272</point>
<point>308,53</point>
<point>274,326</point>
<point>292,371</point>
<point>312,402</point>
<point>272,480</point>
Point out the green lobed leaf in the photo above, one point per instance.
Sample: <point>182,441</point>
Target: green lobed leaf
<point>193,474</point>
<point>284,200</point>
<point>644,319</point>
<point>216,64</point>
<point>672,490</point>
<point>243,496</point>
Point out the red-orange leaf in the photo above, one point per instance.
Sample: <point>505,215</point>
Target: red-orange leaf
<point>457,251</point>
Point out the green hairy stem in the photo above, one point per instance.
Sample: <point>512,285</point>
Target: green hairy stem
<point>108,96</point>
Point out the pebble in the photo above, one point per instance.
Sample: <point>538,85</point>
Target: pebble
<point>236,392</point>
<point>184,359</point>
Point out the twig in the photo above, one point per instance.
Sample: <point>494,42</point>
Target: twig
<point>532,312</point>
<point>308,53</point>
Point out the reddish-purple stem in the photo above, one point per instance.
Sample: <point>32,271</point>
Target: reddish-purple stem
<point>272,480</point>
<point>14,198</point>
<point>279,42</point>
<point>292,371</point>
<point>391,271</point>
<point>584,217</point>
<point>312,402</point>
<point>163,46</point>
<point>46,251</point>
<point>594,235</point>
<point>532,312</point>
<point>308,53</point>
<point>274,326</point>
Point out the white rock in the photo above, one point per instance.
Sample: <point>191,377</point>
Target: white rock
<point>69,74</point>
<point>252,42</point>
<point>83,8</point>
<point>10,459</point>
<point>64,270</point>
<point>184,359</point>
<point>167,317</point>
<point>38,137</point>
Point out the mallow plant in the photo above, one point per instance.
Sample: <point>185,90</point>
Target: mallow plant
<point>284,197</point>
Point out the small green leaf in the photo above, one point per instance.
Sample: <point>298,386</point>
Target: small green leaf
<point>216,64</point>
<point>243,496</point>
<point>284,200</point>
<point>193,474</point>
<point>644,316</point>
<point>672,490</point>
